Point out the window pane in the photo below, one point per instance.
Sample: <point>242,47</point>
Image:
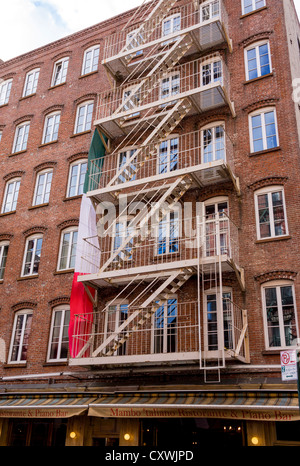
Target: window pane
<point>278,213</point>
<point>257,133</point>
<point>264,216</point>
<point>264,59</point>
<point>252,64</point>
<point>270,130</point>
<point>3,255</point>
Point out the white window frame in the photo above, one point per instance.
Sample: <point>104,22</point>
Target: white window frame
<point>28,313</point>
<point>16,187</point>
<point>4,246</point>
<point>168,238</point>
<point>277,284</point>
<point>221,228</point>
<point>219,313</point>
<point>256,46</point>
<point>124,221</point>
<point>70,230</point>
<point>87,125</point>
<point>31,82</point>
<point>5,89</point>
<point>117,303</point>
<point>211,62</point>
<point>168,155</point>
<point>86,70</point>
<point>262,112</point>
<point>136,99</point>
<point>164,334</point>
<point>129,36</point>
<point>47,172</point>
<point>269,190</point>
<point>212,17</point>
<point>21,137</point>
<point>213,126</point>
<point>56,122</point>
<point>1,132</point>
<point>35,239</point>
<point>79,164</point>
<point>64,310</point>
<point>171,18</point>
<point>61,76</point>
<point>253,6</point>
<point>128,151</point>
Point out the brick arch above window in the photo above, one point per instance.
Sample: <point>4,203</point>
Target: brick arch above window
<point>214,192</point>
<point>270,181</point>
<point>44,165</point>
<point>12,175</point>
<point>24,305</point>
<point>73,222</point>
<point>92,43</point>
<point>23,119</point>
<point>217,116</point>
<point>7,76</point>
<point>34,230</point>
<point>85,98</point>
<point>78,156</point>
<point>66,53</point>
<point>255,38</point>
<point>33,66</point>
<point>6,236</point>
<point>276,275</point>
<point>53,108</point>
<point>59,300</point>
<point>260,104</point>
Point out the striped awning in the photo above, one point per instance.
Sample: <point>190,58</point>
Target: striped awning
<point>254,405</point>
<point>44,405</point>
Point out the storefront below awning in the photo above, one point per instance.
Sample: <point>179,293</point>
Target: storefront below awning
<point>243,405</point>
<point>44,405</point>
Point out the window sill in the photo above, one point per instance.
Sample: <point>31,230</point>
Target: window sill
<point>17,153</point>
<point>48,143</point>
<point>56,86</point>
<point>61,272</point>
<point>88,74</point>
<point>4,105</point>
<point>253,12</point>
<point>37,206</point>
<point>270,352</point>
<point>80,134</point>
<point>249,81</point>
<point>28,277</point>
<point>277,238</point>
<point>27,96</point>
<point>55,363</point>
<point>78,196</point>
<point>266,151</point>
<point>8,213</point>
<point>13,365</point>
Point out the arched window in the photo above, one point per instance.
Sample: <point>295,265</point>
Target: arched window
<point>59,339</point>
<point>20,336</point>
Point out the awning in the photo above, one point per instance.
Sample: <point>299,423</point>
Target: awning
<point>44,405</point>
<point>254,405</point>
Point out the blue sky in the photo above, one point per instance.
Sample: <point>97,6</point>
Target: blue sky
<point>28,24</point>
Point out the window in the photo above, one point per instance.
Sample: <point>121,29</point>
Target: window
<point>76,178</point>
<point>164,326</point>
<point>270,212</point>
<point>20,337</point>
<point>280,317</point>
<point>263,130</point>
<point>251,5</point>
<point>3,257</point>
<point>60,71</point>
<point>131,103</point>
<point>168,234</point>
<point>51,127</point>
<point>31,82</point>
<point>210,10</point>
<point>32,256</point>
<point>90,60</point>
<point>121,231</point>
<point>42,187</point>
<point>21,137</point>
<point>170,25</point>
<point>258,60</point>
<point>213,143</point>
<point>84,117</point>
<point>212,306</point>
<point>0,135</point>
<point>67,251</point>
<point>211,72</point>
<point>168,153</point>
<point>59,338</point>
<point>128,173</point>
<point>216,227</point>
<point>134,39</point>
<point>5,88</point>
<point>170,86</point>
<point>11,195</point>
<point>115,316</point>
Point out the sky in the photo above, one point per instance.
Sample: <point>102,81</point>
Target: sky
<point>29,24</point>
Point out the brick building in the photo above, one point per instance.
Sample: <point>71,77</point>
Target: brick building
<point>176,124</point>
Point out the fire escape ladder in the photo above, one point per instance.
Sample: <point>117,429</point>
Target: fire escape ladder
<point>167,201</point>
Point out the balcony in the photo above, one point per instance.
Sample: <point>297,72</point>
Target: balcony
<point>169,332</point>
<point>135,49</point>
<point>206,155</point>
<point>189,89</point>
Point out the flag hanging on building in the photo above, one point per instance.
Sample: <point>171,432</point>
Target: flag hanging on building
<point>87,254</point>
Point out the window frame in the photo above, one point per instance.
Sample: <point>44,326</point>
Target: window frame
<point>162,338</point>
<point>269,190</point>
<point>35,239</point>
<point>256,46</point>
<point>253,7</point>
<point>169,77</point>
<point>169,240</point>
<point>124,221</point>
<point>47,118</point>
<point>28,91</point>
<point>263,111</point>
<point>24,136</point>
<point>64,309</point>
<point>64,62</point>
<point>129,152</point>
<point>117,303</point>
<point>86,104</point>
<point>8,183</point>
<point>211,61</point>
<point>4,245</point>
<point>213,126</point>
<point>29,314</point>
<point>78,162</point>
<point>211,17</point>
<point>5,93</point>
<point>46,171</point>
<point>72,230</point>
<point>168,161</point>
<point>91,67</point>
<point>278,284</point>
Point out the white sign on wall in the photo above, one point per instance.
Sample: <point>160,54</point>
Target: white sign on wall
<point>289,365</point>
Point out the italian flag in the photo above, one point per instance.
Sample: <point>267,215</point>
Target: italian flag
<point>87,255</point>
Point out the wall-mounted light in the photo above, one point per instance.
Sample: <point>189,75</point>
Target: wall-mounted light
<point>254,440</point>
<point>73,435</point>
<point>127,437</point>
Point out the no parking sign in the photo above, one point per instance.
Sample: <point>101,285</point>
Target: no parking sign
<point>289,370</point>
